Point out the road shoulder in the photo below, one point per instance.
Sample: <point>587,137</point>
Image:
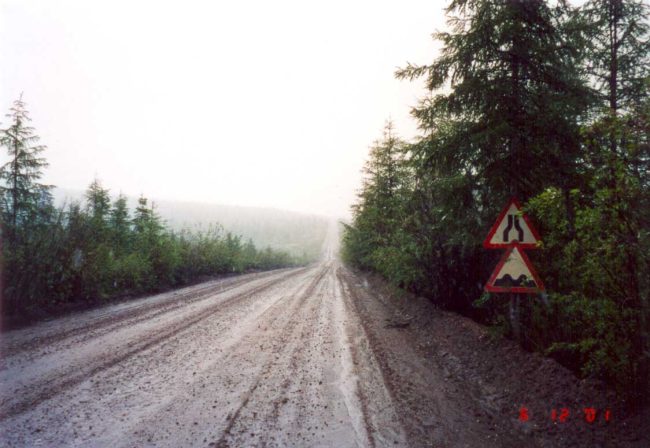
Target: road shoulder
<point>456,385</point>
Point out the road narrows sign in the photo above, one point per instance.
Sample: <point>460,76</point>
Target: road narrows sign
<point>514,273</point>
<point>514,232</point>
<point>512,226</point>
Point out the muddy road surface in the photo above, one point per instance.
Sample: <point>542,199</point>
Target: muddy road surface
<point>268,359</point>
<point>297,357</point>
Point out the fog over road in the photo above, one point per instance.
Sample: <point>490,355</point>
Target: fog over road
<point>281,358</point>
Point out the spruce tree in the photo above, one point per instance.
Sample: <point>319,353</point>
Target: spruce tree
<point>384,175</point>
<point>619,51</point>
<point>508,121</point>
<point>378,213</point>
<point>146,221</point>
<point>29,222</point>
<point>21,194</point>
<point>98,202</point>
<point>617,143</point>
<point>119,223</point>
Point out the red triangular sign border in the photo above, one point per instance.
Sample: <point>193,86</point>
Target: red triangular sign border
<point>533,230</point>
<point>517,289</point>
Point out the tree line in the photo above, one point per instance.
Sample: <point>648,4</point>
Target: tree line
<point>549,103</point>
<point>97,249</point>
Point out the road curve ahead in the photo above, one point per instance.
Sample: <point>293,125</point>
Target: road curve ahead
<point>267,359</point>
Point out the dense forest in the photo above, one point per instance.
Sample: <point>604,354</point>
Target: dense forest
<point>546,102</point>
<point>299,234</point>
<point>96,249</point>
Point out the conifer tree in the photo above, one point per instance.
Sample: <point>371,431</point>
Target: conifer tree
<point>21,193</point>
<point>619,156</point>
<point>377,215</point>
<point>119,223</point>
<point>98,202</point>
<point>384,174</point>
<point>143,215</point>
<point>509,121</point>
<point>619,53</point>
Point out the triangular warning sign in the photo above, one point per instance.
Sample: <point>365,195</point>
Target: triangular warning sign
<point>514,273</point>
<point>512,227</point>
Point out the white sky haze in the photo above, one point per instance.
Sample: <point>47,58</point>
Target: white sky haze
<point>261,103</point>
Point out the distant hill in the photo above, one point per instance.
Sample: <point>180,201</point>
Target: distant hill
<point>297,233</point>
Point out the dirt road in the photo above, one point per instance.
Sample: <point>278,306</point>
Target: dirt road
<point>297,357</point>
<point>271,359</point>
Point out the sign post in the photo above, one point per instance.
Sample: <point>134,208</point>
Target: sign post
<point>514,274</point>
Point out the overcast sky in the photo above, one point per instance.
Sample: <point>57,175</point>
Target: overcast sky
<point>262,103</point>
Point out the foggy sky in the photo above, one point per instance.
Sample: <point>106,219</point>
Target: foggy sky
<point>250,103</point>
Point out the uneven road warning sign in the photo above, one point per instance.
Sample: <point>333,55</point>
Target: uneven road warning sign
<point>514,232</point>
<point>512,227</point>
<point>514,273</point>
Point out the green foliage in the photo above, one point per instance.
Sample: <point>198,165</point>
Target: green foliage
<point>598,266</point>
<point>595,336</point>
<point>515,94</point>
<point>82,253</point>
<point>26,210</point>
<point>21,195</point>
<point>516,108</point>
<point>131,272</point>
<point>619,49</point>
<point>298,234</point>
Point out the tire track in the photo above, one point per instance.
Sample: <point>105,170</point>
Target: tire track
<point>50,387</point>
<point>131,315</point>
<point>350,300</point>
<point>292,316</point>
